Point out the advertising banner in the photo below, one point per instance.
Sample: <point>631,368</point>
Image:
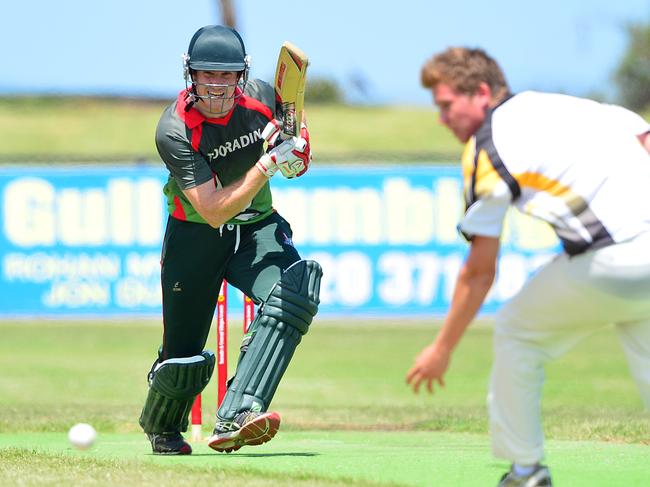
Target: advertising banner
<point>86,240</point>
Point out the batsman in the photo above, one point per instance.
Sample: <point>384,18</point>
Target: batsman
<point>222,140</point>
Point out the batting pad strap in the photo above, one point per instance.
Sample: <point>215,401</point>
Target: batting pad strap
<point>173,386</point>
<point>283,320</point>
<point>294,299</point>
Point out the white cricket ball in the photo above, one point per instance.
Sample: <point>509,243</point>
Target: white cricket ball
<point>82,436</point>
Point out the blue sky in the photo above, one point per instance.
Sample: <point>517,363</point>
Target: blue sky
<point>135,46</point>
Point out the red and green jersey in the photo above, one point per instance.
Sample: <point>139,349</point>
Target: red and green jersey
<point>197,149</point>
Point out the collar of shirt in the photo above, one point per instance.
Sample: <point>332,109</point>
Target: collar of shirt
<point>193,117</point>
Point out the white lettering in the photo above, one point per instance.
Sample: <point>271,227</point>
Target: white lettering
<point>345,216</point>
<point>122,201</point>
<point>132,292</point>
<point>82,217</point>
<point>347,278</point>
<point>415,278</point>
<point>448,209</point>
<point>397,213</point>
<point>409,212</point>
<point>75,294</point>
<point>232,145</point>
<point>396,288</point>
<point>43,266</point>
<point>125,212</point>
<point>143,265</point>
<point>149,212</point>
<point>27,212</point>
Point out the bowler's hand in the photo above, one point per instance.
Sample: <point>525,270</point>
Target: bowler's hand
<point>430,365</point>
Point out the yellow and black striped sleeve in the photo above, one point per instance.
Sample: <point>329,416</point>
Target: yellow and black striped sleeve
<point>489,188</point>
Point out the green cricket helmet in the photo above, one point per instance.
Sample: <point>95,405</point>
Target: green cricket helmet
<point>216,48</point>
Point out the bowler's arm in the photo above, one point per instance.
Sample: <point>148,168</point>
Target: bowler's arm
<point>474,281</point>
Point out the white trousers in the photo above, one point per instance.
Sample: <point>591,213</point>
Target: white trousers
<point>564,302</point>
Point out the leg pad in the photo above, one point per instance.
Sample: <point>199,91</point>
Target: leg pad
<point>173,385</point>
<point>284,318</point>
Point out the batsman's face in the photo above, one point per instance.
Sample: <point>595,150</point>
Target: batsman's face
<point>461,113</point>
<point>216,91</point>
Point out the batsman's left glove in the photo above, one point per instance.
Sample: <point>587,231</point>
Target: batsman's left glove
<point>291,157</point>
<point>271,132</point>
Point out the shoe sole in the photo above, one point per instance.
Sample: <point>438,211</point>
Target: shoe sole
<point>173,452</point>
<point>185,449</point>
<point>259,431</point>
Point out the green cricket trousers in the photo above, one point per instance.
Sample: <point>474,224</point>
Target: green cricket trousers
<point>197,257</point>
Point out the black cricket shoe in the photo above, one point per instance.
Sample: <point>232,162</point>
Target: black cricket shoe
<point>169,444</point>
<point>540,477</point>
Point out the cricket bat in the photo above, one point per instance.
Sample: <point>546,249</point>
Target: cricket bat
<point>290,79</point>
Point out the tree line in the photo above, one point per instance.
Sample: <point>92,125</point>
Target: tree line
<point>632,75</point>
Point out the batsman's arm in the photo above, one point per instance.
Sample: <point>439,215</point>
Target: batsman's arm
<point>218,205</point>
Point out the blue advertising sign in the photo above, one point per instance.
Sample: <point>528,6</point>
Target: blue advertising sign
<point>86,240</point>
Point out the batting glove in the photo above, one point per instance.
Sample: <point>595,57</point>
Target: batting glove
<point>271,131</point>
<point>291,157</point>
<point>303,153</point>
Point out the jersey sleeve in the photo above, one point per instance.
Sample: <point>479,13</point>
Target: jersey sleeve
<point>485,216</point>
<point>489,187</point>
<point>262,91</point>
<point>187,166</point>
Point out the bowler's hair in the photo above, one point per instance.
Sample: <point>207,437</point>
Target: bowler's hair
<point>463,69</point>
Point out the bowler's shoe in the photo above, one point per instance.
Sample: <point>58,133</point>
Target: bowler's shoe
<point>540,477</point>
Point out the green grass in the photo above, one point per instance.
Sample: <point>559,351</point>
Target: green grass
<point>85,129</point>
<point>79,128</point>
<point>96,129</point>
<point>324,458</point>
<point>348,417</point>
<point>381,134</point>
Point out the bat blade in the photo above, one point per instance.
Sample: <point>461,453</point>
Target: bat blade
<point>290,80</point>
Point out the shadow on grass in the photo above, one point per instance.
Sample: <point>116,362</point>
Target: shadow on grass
<point>258,455</point>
